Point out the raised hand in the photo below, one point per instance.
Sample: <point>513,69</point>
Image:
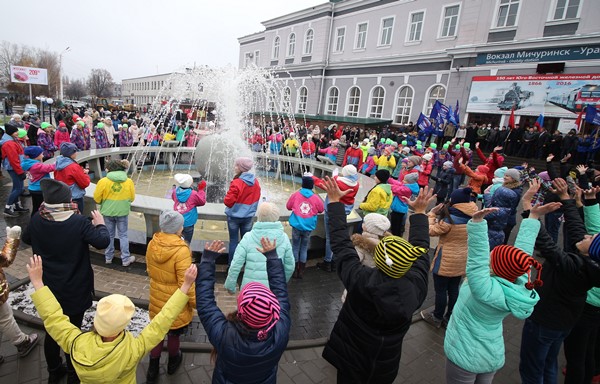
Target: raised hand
<point>266,245</point>
<point>582,169</point>
<point>420,204</point>
<point>498,148</point>
<point>477,145</point>
<point>479,215</point>
<point>566,158</point>
<point>215,246</point>
<point>333,190</point>
<point>560,188</point>
<point>538,210</point>
<point>549,158</point>
<point>437,209</point>
<point>189,278</point>
<point>35,271</point>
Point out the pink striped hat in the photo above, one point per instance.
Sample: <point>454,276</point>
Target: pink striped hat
<point>258,308</point>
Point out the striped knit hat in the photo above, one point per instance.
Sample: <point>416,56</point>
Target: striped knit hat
<point>258,308</point>
<point>510,263</point>
<point>394,256</point>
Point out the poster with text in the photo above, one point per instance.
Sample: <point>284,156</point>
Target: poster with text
<point>28,75</point>
<point>551,95</point>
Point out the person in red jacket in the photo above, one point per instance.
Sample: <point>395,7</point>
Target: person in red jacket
<point>61,135</point>
<point>12,152</point>
<point>494,161</point>
<point>425,172</point>
<point>354,156</point>
<point>71,173</point>
<point>309,148</point>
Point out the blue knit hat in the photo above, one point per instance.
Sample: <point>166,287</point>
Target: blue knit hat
<point>33,151</point>
<point>594,250</point>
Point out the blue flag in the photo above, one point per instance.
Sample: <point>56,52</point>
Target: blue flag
<point>591,115</point>
<point>457,113</point>
<point>435,110</point>
<point>423,122</point>
<point>451,116</point>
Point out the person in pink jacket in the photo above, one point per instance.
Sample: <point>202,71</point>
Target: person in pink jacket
<point>186,199</point>
<point>305,206</point>
<point>61,135</point>
<point>36,171</point>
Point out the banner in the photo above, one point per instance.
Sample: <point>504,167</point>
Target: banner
<point>28,75</point>
<point>578,52</point>
<point>551,95</point>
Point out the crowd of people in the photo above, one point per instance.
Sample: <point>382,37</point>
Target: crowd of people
<point>480,276</point>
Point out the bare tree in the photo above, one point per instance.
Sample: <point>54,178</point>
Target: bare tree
<point>100,82</point>
<point>75,89</point>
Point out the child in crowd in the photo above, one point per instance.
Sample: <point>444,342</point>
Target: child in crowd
<point>353,156</point>
<point>425,172</point>
<point>443,182</point>
<point>405,189</point>
<point>36,171</point>
<point>379,198</point>
<point>61,135</point>
<point>186,200</point>
<point>309,148</point>
<point>44,140</point>
<point>477,178</point>
<point>115,192</point>
<point>247,256</point>
<point>386,161</point>
<point>369,167</point>
<point>71,173</point>
<point>305,206</point>
<point>168,258</point>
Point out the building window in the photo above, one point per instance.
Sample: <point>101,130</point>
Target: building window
<point>415,26</point>
<point>291,45</point>
<point>361,36</point>
<point>287,94</point>
<point>387,26</point>
<point>377,98</point>
<point>256,57</point>
<point>507,13</point>
<point>332,101</point>
<point>247,59</point>
<point>436,93</point>
<point>276,43</point>
<point>302,98</point>
<point>353,101</point>
<point>272,98</point>
<point>566,9</point>
<point>403,105</point>
<point>450,21</point>
<point>340,36</point>
<point>308,42</point>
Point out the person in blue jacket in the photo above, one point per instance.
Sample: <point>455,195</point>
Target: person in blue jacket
<point>249,342</point>
<point>497,285</point>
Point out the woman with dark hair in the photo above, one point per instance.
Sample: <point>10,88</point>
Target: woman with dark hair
<point>249,342</point>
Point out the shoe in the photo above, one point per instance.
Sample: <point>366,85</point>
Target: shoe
<point>107,261</point>
<point>26,346</point>
<point>152,373</point>
<point>19,209</point>
<point>325,266</point>
<point>10,212</point>
<point>430,319</point>
<point>301,270</point>
<point>55,376</point>
<point>174,363</point>
<point>129,261</point>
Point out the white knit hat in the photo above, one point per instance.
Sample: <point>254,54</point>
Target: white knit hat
<point>427,156</point>
<point>376,224</point>
<point>267,212</point>
<point>183,180</point>
<point>349,170</point>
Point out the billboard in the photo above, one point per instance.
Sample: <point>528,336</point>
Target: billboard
<point>28,75</point>
<point>552,95</point>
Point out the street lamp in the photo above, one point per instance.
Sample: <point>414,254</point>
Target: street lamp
<point>60,72</point>
<point>49,101</point>
<point>42,100</point>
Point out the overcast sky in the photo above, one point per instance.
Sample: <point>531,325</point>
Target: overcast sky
<point>132,38</point>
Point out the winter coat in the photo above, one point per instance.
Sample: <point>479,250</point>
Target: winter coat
<point>492,162</point>
<point>516,188</point>
<point>476,179</point>
<point>45,141</point>
<point>450,256</point>
<point>167,258</point>
<point>36,171</point>
<point>241,357</point>
<point>71,173</point>
<point>81,138</point>
<point>291,146</point>
<point>503,199</point>
<point>424,174</point>
<point>12,154</point>
<point>115,193</point>
<point>65,250</point>
<point>568,276</point>
<point>275,142</point>
<point>441,157</point>
<point>443,181</point>
<point>61,136</point>
<point>125,138</point>
<point>369,166</point>
<point>101,139</point>
<point>354,157</point>
<point>94,360</point>
<point>308,148</point>
<point>242,197</point>
<point>341,154</point>
<point>305,206</point>
<point>246,255</point>
<point>185,202</point>
<point>400,189</point>
<point>378,200</point>
<point>385,162</point>
<point>344,184</point>
<point>330,153</point>
<point>366,340</point>
<point>474,339</point>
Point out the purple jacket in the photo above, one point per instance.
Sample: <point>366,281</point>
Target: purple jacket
<point>81,138</point>
<point>46,141</point>
<point>101,139</point>
<point>125,138</point>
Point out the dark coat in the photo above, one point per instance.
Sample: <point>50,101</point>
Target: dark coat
<point>567,276</point>
<point>366,341</point>
<point>443,180</point>
<point>65,250</point>
<point>504,199</point>
<point>241,357</point>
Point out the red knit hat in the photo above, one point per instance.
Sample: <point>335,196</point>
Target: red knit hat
<point>510,262</point>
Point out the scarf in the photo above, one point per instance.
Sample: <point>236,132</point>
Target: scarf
<point>58,212</point>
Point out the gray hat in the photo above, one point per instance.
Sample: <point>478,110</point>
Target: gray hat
<point>411,178</point>
<point>514,173</point>
<point>55,192</point>
<point>170,221</point>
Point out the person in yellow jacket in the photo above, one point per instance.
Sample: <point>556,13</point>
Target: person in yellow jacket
<point>108,354</point>
<point>167,258</point>
<point>115,193</point>
<point>386,161</point>
<point>379,199</point>
<point>291,145</point>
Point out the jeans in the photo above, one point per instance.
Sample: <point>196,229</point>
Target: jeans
<point>17,188</point>
<point>188,233</point>
<point>552,223</point>
<point>446,293</point>
<point>457,180</point>
<point>539,353</point>
<point>328,252</point>
<point>52,349</point>
<point>300,241</point>
<point>119,223</point>
<point>237,226</point>
<point>457,375</point>
<point>9,327</point>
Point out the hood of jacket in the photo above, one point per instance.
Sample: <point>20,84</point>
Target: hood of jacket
<point>500,172</point>
<point>117,176</point>
<point>306,192</point>
<point>268,229</point>
<point>63,162</point>
<point>27,163</point>
<point>467,208</point>
<point>367,241</point>
<point>519,300</point>
<point>505,198</point>
<point>386,187</point>
<point>183,194</point>
<point>164,245</point>
<point>248,178</point>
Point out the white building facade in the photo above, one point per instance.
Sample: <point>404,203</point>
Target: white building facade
<point>142,91</point>
<point>391,59</point>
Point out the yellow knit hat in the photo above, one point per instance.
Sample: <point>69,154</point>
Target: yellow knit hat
<point>394,256</point>
<point>113,313</point>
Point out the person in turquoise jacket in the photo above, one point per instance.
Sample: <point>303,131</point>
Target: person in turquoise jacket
<point>497,285</point>
<point>246,255</point>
